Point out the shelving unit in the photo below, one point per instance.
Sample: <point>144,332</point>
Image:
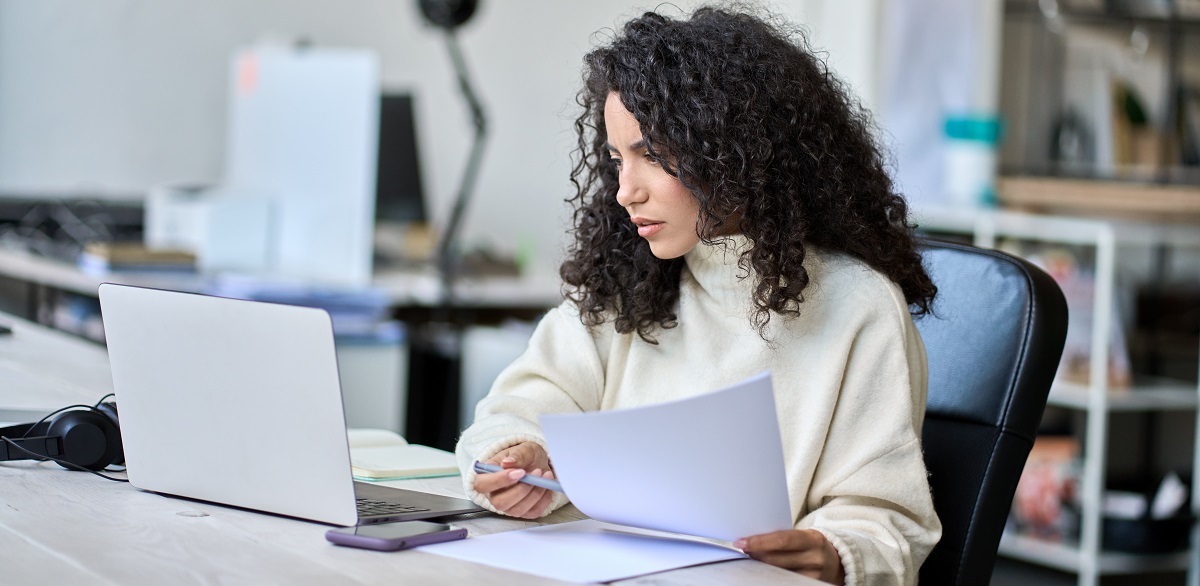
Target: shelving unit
<point>1052,57</point>
<point>1096,400</point>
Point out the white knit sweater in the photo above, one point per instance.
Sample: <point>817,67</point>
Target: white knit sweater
<point>849,376</point>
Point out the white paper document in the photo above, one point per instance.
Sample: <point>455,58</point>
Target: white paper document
<point>584,551</point>
<point>709,465</point>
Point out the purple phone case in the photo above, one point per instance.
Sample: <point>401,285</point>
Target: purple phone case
<point>393,543</point>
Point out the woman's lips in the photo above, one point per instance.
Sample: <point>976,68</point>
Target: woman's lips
<point>648,228</point>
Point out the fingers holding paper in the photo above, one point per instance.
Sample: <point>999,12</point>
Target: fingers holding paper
<point>506,491</point>
<point>805,551</point>
<point>527,455</point>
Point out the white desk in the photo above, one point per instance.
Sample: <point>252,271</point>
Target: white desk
<point>417,287</point>
<point>63,527</point>
<point>49,291</point>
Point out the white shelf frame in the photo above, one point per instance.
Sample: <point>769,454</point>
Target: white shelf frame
<point>1087,559</point>
<point>1067,557</point>
<point>1169,396</point>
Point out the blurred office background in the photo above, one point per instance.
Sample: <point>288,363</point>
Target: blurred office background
<point>1083,114</point>
<point>111,98</point>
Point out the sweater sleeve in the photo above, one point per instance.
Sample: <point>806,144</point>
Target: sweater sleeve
<point>560,372</point>
<point>870,495</point>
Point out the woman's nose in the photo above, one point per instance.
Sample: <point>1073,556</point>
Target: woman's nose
<point>630,190</point>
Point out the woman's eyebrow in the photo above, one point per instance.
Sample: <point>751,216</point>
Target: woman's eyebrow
<point>636,146</point>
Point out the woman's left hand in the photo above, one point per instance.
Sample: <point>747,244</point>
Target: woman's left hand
<point>805,551</point>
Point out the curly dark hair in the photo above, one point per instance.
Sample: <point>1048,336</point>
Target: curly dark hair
<point>767,139</point>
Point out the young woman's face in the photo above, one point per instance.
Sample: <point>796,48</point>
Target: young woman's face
<point>664,211</point>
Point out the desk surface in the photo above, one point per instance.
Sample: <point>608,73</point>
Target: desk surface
<point>403,287</point>
<point>60,527</point>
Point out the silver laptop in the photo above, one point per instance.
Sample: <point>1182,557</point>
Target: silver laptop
<point>239,403</point>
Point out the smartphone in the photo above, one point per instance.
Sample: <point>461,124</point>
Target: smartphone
<point>394,536</point>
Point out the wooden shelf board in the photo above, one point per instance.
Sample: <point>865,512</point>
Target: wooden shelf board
<point>1126,200</point>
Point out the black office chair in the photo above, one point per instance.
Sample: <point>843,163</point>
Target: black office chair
<point>993,342</point>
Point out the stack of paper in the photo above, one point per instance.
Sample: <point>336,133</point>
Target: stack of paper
<point>586,551</point>
<point>655,467</point>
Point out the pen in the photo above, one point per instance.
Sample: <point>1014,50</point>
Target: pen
<point>530,479</point>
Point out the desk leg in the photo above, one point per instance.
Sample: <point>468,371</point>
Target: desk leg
<point>434,374</point>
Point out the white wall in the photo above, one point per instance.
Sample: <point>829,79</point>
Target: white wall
<point>111,97</point>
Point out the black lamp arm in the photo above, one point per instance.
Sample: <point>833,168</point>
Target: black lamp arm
<point>447,252</point>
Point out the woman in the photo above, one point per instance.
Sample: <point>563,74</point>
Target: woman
<point>733,215</point>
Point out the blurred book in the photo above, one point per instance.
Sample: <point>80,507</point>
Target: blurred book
<point>1045,504</point>
<point>1073,268</point>
<point>378,454</point>
<point>1189,125</point>
<point>105,257</point>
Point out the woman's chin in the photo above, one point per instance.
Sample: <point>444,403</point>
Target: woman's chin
<point>670,250</point>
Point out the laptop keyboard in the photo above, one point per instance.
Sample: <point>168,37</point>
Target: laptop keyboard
<point>371,507</point>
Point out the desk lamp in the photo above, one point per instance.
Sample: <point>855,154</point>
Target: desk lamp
<point>449,15</point>
<point>436,344</point>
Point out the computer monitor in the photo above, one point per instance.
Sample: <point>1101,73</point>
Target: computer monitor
<point>399,193</point>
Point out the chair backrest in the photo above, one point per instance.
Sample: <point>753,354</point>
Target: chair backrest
<point>993,343</point>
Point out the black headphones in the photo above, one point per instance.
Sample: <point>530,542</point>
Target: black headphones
<point>79,436</point>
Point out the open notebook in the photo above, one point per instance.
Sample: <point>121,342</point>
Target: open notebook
<point>379,454</point>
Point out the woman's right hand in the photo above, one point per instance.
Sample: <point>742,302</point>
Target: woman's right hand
<point>504,489</point>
